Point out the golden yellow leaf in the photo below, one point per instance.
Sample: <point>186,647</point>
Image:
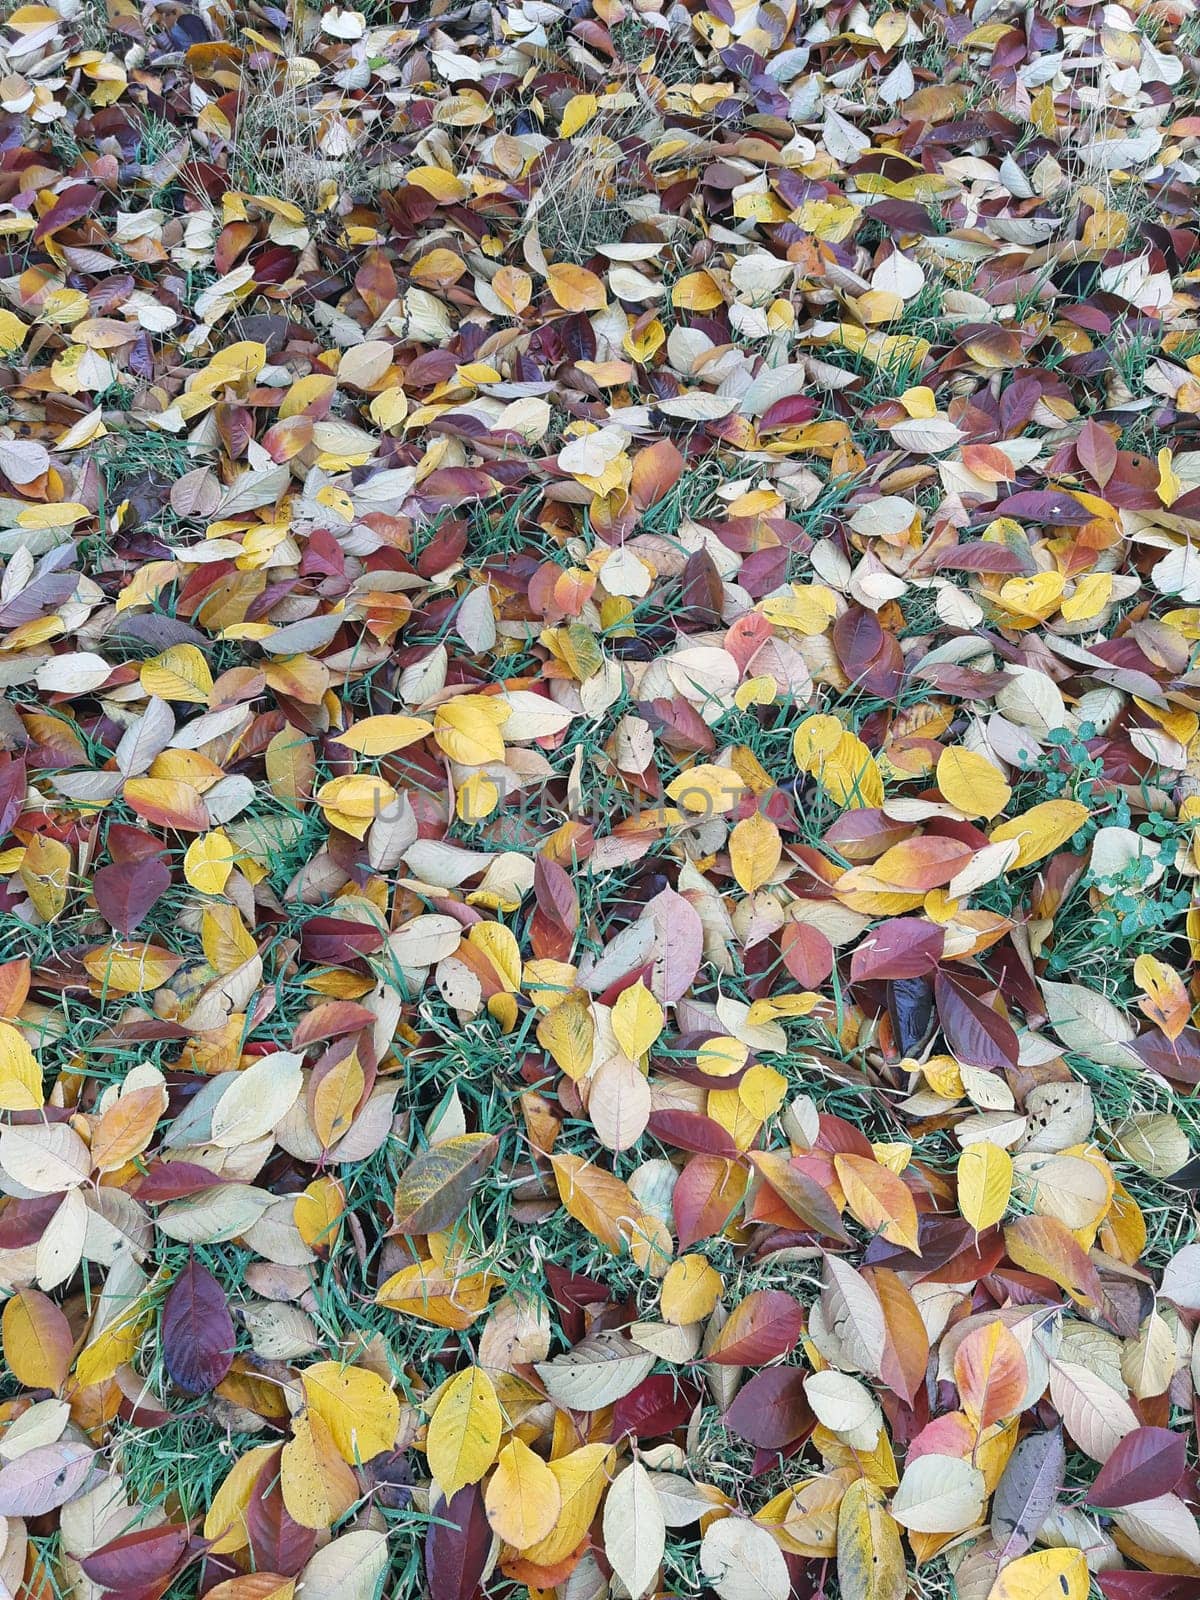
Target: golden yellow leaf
<point>468,729</point>
<point>523,1498</point>
<point>46,873</point>
<point>597,1199</point>
<point>1044,1575</point>
<point>577,113</point>
<point>1041,830</point>
<point>225,1519</point>
<point>637,1019</point>
<point>879,1199</point>
<point>20,1074</point>
<point>318,1487</point>
<point>690,1290</point>
<point>359,1409</point>
<point>464,1432</point>
<point>971,783</point>
<point>755,850</point>
<point>582,1477</point>
<point>178,673</point>
<point>985,1174</point>
<point>575,288</point>
<point>208,861</point>
<point>379,736</point>
<point>870,1558</point>
<point>335,1099</point>
<point>568,1035</point>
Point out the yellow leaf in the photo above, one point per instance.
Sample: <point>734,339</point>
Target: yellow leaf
<point>131,969</point>
<point>46,873</point>
<point>20,1074</point>
<point>637,1019</point>
<point>499,945</point>
<point>37,1340</point>
<point>578,112</point>
<point>514,288</point>
<point>317,1486</point>
<point>568,1035</point>
<point>523,1499</point>
<point>1041,830</point>
<point>388,410</point>
<point>985,1174</point>
<point>1169,485</point>
<point>919,402</point>
<point>225,939</point>
<point>319,1209</point>
<point>970,783</point>
<point>425,1291</point>
<point>696,291</point>
<point>707,790</point>
<point>179,673</point>
<point>208,861</point>
<point>12,333</point>
<point>445,188</point>
<point>582,1477</point>
<point>879,1199</point>
<point>359,1409</point>
<point>115,1344</point>
<point>55,515</point>
<point>476,799</point>
<point>808,609</point>
<point>1044,1575</point>
<point>468,729</point>
<point>352,803</point>
<point>755,849</point>
<point>1034,596</point>
<point>1091,596</point>
<point>464,1433</point>
<point>690,1290</point>
<point>379,736</point>
<point>870,1558</point>
<point>722,1056</point>
<point>127,1127</point>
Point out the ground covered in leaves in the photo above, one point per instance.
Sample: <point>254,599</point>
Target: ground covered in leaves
<point>599,773</point>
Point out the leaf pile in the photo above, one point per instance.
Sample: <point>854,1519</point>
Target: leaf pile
<point>599,775</point>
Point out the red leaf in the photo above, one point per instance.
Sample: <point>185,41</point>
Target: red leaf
<point>137,1559</point>
<point>277,1542</point>
<point>764,1326</point>
<point>705,1198</point>
<point>71,204</point>
<point>1146,1463</point>
<point>807,953</point>
<point>197,1331</point>
<point>905,947</point>
<point>771,1409</point>
<point>1178,1060</point>
<point>126,891</point>
<point>692,1130</point>
<point>458,1542</point>
<point>555,922</point>
<point>659,1405</point>
<point>974,1032</point>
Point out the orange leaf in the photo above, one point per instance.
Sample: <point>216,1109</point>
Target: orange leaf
<point>878,1199</point>
<point>575,288</point>
<point>991,1373</point>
